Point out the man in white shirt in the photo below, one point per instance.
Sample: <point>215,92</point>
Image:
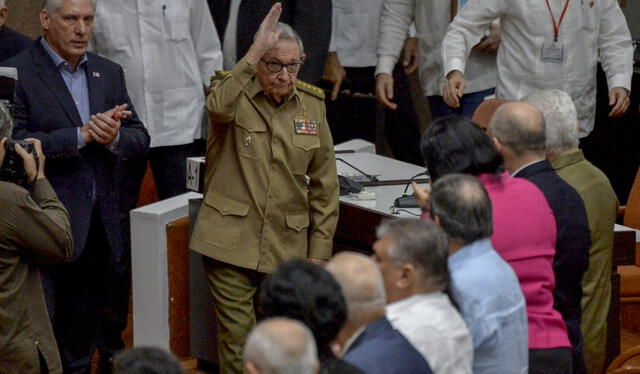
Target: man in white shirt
<point>547,44</point>
<point>431,19</point>
<point>412,256</point>
<point>352,60</point>
<point>169,50</point>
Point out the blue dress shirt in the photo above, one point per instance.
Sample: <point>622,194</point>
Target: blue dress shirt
<point>493,307</point>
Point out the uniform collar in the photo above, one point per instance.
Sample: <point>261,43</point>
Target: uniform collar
<point>570,157</point>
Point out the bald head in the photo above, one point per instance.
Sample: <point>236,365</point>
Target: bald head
<point>519,126</point>
<point>280,346</point>
<point>361,283</point>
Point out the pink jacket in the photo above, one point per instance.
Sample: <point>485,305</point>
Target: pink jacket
<point>524,235</point>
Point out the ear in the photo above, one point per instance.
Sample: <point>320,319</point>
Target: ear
<point>45,20</point>
<point>250,368</point>
<point>303,57</point>
<point>4,12</point>
<point>498,144</point>
<point>407,277</point>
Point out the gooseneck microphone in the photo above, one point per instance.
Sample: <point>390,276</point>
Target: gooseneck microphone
<point>372,179</point>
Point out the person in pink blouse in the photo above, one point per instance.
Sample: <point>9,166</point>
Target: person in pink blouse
<point>524,230</point>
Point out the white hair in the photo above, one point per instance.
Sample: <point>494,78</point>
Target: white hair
<point>52,5</point>
<point>560,118</point>
<point>281,346</point>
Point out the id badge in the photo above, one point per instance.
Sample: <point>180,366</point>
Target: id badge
<point>553,52</point>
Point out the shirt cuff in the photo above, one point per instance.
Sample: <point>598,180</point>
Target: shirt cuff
<point>81,142</point>
<point>385,64</point>
<point>619,80</point>
<point>113,147</point>
<point>454,64</point>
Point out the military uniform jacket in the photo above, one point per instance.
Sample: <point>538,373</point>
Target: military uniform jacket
<point>34,228</point>
<point>259,209</point>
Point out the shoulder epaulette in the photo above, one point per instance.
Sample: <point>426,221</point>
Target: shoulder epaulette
<point>310,89</point>
<point>219,75</point>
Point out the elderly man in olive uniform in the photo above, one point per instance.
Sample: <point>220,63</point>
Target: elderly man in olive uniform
<point>269,134</point>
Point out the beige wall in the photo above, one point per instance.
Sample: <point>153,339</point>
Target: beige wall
<point>23,16</point>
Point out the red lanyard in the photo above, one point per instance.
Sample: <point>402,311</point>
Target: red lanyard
<point>556,26</point>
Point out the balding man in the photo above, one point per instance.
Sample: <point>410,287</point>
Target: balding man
<point>412,257</point>
<point>601,205</point>
<point>483,285</point>
<point>280,346</point>
<point>518,131</point>
<point>368,340</point>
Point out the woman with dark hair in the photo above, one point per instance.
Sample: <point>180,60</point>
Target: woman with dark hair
<point>524,229</point>
<point>306,292</point>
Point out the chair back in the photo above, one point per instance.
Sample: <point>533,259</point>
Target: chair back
<point>632,212</point>
<point>484,112</point>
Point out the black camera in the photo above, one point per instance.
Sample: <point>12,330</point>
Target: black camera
<point>12,169</point>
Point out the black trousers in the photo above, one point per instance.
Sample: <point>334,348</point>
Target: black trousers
<point>169,167</point>
<point>401,126</point>
<point>550,361</point>
<point>77,294</point>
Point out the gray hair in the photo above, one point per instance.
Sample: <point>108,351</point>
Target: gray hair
<point>560,117</point>
<point>52,5</point>
<point>3,3</point>
<point>287,33</point>
<point>420,243</point>
<point>522,132</point>
<point>281,346</point>
<point>361,282</point>
<point>463,207</point>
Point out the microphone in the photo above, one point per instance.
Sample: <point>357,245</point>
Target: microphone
<point>372,179</point>
<point>408,201</point>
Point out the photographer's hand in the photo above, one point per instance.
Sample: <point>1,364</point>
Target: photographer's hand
<point>3,141</point>
<point>33,172</point>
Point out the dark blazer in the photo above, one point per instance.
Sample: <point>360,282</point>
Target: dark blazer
<point>34,228</point>
<point>12,43</point>
<point>310,18</point>
<point>573,240</point>
<point>381,349</point>
<point>45,110</point>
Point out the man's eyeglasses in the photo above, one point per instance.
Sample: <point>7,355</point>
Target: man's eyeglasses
<point>276,67</point>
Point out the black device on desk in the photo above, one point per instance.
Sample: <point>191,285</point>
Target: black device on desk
<point>348,185</point>
<point>408,201</point>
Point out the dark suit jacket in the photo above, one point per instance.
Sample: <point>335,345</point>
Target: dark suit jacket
<point>573,241</point>
<point>310,18</point>
<point>381,349</point>
<point>12,43</point>
<point>45,110</point>
<point>34,228</point>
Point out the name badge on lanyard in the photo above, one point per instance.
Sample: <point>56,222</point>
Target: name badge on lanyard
<point>553,52</point>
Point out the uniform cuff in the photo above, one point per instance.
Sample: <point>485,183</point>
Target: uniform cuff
<point>320,248</point>
<point>385,64</point>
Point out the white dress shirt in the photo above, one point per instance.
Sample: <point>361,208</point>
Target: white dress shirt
<point>354,31</point>
<point>169,50</point>
<point>432,324</point>
<point>591,29</point>
<point>431,18</point>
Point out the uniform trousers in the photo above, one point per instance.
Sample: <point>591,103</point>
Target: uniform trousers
<point>235,295</point>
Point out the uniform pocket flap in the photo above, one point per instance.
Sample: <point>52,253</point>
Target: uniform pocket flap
<point>225,205</point>
<point>297,220</point>
<point>249,119</point>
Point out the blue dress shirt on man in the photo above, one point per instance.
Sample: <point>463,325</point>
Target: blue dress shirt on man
<point>381,349</point>
<point>491,303</point>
